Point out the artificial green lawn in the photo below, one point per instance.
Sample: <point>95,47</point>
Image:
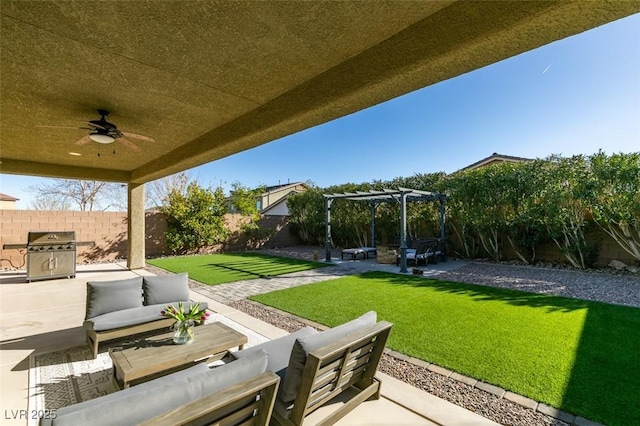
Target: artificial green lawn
<point>580,356</point>
<point>216,269</point>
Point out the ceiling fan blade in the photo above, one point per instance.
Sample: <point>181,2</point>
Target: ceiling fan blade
<point>132,146</point>
<point>83,140</point>
<point>137,136</point>
<point>67,127</point>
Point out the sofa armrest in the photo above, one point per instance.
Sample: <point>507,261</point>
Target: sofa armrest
<point>230,403</point>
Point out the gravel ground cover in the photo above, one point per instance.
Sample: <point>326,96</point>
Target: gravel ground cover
<point>596,285</point>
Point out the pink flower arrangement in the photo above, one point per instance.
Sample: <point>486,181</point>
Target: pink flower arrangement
<point>179,314</point>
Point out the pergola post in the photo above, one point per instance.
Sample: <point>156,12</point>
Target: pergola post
<point>327,246</point>
<point>373,224</point>
<point>403,232</point>
<point>442,218</point>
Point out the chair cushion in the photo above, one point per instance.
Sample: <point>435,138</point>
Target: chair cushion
<point>109,296</point>
<point>142,402</point>
<point>411,254</point>
<point>165,288</point>
<point>279,350</point>
<point>307,344</point>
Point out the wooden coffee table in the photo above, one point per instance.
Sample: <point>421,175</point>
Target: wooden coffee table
<point>145,358</point>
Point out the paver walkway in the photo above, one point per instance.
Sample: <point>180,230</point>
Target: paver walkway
<point>230,292</point>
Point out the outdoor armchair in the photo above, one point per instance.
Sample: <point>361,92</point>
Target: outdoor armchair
<point>318,366</point>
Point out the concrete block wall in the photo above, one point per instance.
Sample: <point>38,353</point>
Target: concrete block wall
<point>108,230</point>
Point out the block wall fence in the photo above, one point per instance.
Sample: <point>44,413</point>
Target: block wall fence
<point>108,230</point>
<point>549,252</point>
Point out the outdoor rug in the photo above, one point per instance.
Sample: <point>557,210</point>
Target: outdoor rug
<point>69,376</point>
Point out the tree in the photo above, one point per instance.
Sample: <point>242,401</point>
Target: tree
<point>616,206</point>
<point>87,195</point>
<point>567,189</point>
<point>49,202</point>
<point>524,228</point>
<point>245,201</point>
<point>157,191</point>
<point>307,216</point>
<point>478,195</point>
<point>195,218</point>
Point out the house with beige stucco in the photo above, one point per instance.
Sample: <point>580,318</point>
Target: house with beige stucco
<point>273,202</point>
<point>7,202</point>
<point>495,158</point>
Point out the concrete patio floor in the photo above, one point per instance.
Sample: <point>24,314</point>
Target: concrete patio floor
<point>47,315</point>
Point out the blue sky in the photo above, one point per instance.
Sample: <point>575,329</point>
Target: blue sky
<point>574,96</point>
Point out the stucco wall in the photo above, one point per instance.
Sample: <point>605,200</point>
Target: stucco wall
<point>7,205</point>
<point>109,232</point>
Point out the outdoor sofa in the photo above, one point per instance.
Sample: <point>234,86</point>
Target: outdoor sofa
<point>317,366</point>
<point>238,392</point>
<point>427,250</point>
<point>122,308</point>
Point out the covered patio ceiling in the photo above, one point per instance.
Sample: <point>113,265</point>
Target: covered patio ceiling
<point>208,79</point>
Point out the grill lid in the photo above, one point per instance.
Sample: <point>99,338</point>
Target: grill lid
<point>49,237</point>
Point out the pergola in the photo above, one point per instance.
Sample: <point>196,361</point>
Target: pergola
<point>375,198</point>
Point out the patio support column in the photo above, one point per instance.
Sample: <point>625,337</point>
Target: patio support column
<point>135,227</point>
<point>403,232</point>
<point>327,246</point>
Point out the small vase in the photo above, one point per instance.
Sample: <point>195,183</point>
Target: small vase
<point>183,332</point>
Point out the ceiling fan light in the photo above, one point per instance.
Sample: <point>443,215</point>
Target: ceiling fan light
<point>101,138</point>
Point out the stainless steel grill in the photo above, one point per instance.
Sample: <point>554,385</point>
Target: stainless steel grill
<point>51,255</point>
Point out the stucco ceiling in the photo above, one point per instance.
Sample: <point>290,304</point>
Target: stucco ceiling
<point>207,79</point>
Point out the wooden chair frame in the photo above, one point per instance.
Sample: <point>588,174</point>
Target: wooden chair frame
<point>249,402</point>
<point>350,362</point>
<point>94,337</point>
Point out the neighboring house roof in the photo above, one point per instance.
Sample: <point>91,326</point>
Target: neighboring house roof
<point>494,159</point>
<point>272,200</point>
<point>274,206</point>
<point>276,195</point>
<point>282,186</point>
<point>5,197</point>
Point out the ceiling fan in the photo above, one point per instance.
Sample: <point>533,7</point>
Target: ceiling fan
<point>104,132</point>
